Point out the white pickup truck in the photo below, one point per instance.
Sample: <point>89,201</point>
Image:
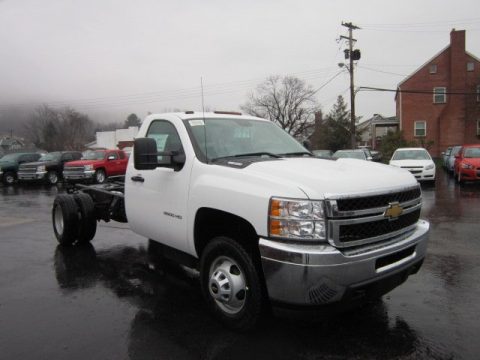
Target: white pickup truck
<point>262,220</point>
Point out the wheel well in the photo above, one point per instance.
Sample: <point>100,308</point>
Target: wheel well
<point>210,223</point>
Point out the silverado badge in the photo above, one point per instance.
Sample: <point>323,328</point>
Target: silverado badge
<point>393,211</point>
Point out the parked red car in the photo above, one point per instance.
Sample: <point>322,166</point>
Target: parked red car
<point>467,163</point>
<point>96,166</point>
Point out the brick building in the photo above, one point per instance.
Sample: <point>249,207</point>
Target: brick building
<point>440,118</point>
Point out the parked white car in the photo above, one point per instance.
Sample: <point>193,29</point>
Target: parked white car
<point>416,160</point>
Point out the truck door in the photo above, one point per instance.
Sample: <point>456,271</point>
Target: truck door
<point>157,200</point>
<point>113,163</point>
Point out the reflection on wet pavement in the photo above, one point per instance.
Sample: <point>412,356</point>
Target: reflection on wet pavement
<point>117,299</point>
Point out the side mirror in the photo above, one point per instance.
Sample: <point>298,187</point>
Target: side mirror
<point>111,157</point>
<point>145,154</point>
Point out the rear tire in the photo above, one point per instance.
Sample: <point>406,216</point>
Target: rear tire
<point>65,219</point>
<point>9,178</point>
<point>87,226</point>
<point>231,284</point>
<point>100,176</point>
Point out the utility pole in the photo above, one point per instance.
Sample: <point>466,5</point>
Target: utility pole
<point>352,55</point>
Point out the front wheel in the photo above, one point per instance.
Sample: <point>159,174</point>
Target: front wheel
<point>8,178</point>
<point>52,178</point>
<point>231,284</point>
<point>100,176</point>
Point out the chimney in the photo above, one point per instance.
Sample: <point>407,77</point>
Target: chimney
<point>458,59</point>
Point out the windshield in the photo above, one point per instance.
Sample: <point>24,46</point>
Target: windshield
<point>10,157</point>
<point>221,138</point>
<point>350,154</point>
<point>411,155</point>
<point>54,156</point>
<point>93,155</point>
<point>472,152</point>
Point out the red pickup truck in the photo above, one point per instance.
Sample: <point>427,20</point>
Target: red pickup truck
<point>96,166</point>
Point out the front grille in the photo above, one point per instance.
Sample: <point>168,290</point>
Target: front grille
<point>25,169</point>
<point>355,232</point>
<point>368,202</point>
<point>73,170</point>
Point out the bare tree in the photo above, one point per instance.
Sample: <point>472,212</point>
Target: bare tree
<point>51,129</point>
<point>287,101</point>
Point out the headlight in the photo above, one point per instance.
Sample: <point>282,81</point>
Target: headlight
<point>430,167</point>
<point>297,219</point>
<point>41,168</point>
<point>466,166</point>
<point>88,167</point>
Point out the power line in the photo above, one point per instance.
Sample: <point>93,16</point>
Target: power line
<point>428,92</point>
<point>380,71</point>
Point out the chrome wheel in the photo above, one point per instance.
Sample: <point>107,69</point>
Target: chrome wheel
<point>9,179</point>
<point>52,177</point>
<point>58,219</point>
<point>100,177</point>
<point>227,285</point>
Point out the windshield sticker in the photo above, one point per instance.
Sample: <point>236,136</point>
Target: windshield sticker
<point>196,122</point>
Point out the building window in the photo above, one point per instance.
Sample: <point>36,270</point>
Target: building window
<point>470,66</point>
<point>420,128</point>
<point>439,95</point>
<point>478,127</point>
<point>478,92</point>
<point>433,69</point>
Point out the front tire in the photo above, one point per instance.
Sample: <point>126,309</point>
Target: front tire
<point>65,219</point>
<point>9,178</point>
<point>100,176</point>
<point>231,284</point>
<point>52,178</point>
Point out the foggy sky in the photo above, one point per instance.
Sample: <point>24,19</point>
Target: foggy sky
<point>109,58</point>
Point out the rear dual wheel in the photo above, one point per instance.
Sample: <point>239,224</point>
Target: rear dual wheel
<point>73,218</point>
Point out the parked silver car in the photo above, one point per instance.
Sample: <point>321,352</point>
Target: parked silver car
<point>451,158</point>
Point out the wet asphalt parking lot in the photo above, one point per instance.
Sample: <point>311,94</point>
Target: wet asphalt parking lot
<point>104,302</point>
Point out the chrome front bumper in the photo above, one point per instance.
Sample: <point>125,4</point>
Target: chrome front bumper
<point>302,274</point>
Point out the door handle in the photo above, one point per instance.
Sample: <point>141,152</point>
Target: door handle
<point>137,178</point>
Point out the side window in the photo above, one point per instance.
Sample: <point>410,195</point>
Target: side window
<point>114,154</point>
<point>166,137</point>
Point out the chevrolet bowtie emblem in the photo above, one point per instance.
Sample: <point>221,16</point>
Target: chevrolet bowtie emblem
<point>393,211</point>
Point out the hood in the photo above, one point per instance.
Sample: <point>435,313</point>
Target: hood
<point>39,163</point>
<point>7,163</point>
<point>410,162</point>
<point>472,161</point>
<point>318,178</point>
<point>83,162</point>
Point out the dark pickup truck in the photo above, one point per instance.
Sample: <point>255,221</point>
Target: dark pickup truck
<point>9,165</point>
<point>48,168</point>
